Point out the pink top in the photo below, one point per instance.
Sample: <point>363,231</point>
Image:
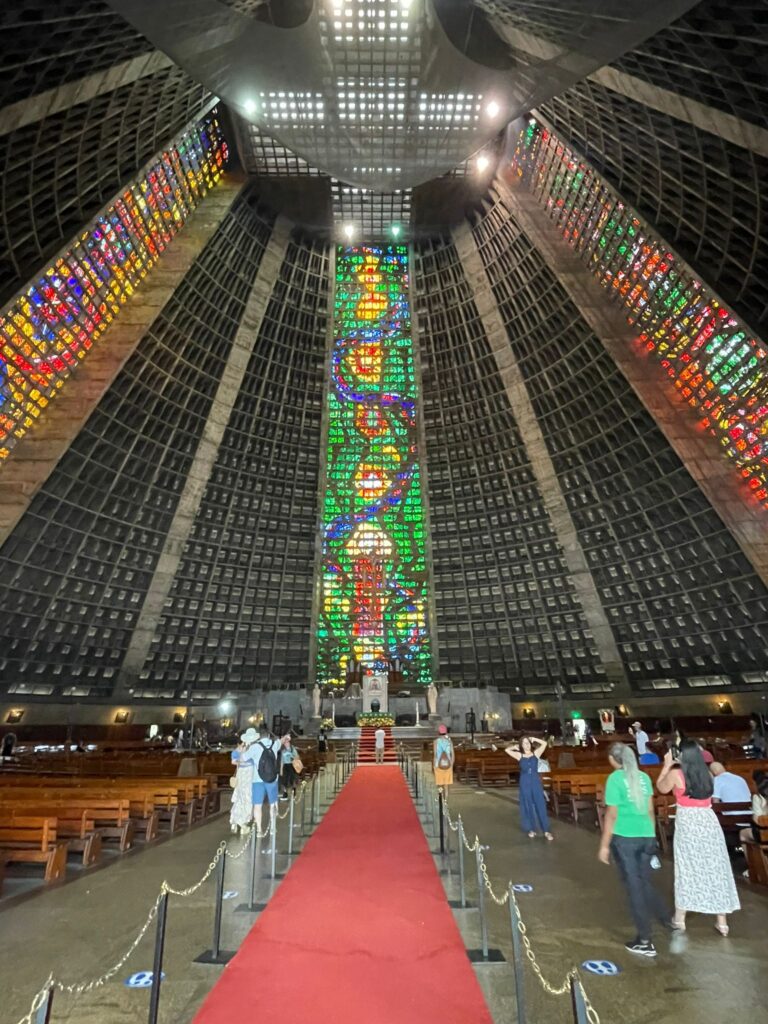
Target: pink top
<point>688,801</point>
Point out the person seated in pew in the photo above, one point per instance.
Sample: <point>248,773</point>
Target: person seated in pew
<point>728,788</point>
<point>759,806</point>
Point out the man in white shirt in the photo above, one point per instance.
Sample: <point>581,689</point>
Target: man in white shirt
<point>379,736</point>
<point>641,738</point>
<point>729,788</point>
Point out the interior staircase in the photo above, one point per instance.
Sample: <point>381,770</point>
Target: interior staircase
<point>366,753</point>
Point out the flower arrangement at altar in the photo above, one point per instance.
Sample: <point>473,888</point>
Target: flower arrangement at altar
<point>375,718</point>
<point>327,724</point>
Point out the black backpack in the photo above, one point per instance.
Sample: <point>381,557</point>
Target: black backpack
<point>267,766</point>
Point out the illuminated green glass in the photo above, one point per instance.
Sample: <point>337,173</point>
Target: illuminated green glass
<point>373,592</point>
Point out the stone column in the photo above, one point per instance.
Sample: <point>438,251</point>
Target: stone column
<point>541,463</point>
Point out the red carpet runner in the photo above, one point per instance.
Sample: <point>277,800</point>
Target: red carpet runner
<point>360,931</point>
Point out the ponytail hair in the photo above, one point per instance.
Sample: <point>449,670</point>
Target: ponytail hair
<point>625,756</point>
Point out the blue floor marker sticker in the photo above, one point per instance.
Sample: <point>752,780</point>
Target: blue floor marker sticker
<point>229,894</point>
<point>522,887</point>
<point>141,979</point>
<point>603,967</point>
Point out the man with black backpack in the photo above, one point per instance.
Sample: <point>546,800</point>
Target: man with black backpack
<point>263,755</point>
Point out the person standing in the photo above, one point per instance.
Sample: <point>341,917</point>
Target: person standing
<point>241,811</point>
<point>704,881</point>
<point>379,737</point>
<point>533,803</point>
<point>641,739</point>
<point>288,776</point>
<point>443,757</point>
<point>629,837</point>
<point>262,755</point>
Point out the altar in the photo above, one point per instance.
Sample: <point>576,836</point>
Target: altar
<point>375,689</point>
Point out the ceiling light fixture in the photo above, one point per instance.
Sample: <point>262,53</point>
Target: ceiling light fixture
<point>482,163</point>
<point>249,106</point>
<point>349,230</point>
<point>493,108</point>
<point>395,230</point>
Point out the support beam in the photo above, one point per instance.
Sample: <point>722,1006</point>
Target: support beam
<point>716,475</point>
<point>205,457</point>
<point>81,90</point>
<point>683,108</point>
<point>541,463</point>
<point>37,453</point>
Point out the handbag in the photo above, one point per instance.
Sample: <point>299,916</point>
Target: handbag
<point>232,781</point>
<point>298,765</point>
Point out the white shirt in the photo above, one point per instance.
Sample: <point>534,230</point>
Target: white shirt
<point>379,734</point>
<point>731,789</point>
<point>641,740</point>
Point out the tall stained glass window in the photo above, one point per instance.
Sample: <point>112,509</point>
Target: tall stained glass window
<point>50,328</point>
<point>374,585</point>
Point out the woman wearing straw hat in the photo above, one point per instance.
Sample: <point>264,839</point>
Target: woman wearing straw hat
<point>241,811</point>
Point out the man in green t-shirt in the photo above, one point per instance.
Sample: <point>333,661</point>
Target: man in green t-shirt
<point>629,836</point>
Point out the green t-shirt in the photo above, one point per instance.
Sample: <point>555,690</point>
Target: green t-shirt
<point>630,821</point>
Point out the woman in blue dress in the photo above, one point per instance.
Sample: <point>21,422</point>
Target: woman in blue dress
<point>533,803</point>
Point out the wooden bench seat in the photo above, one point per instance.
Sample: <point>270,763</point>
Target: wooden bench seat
<point>33,841</point>
<point>71,824</point>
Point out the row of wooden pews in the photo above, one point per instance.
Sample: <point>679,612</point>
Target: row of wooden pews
<point>48,816</point>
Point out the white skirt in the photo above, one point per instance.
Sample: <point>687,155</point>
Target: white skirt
<point>241,811</point>
<point>704,881</point>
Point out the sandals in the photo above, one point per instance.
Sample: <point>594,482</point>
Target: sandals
<point>723,929</point>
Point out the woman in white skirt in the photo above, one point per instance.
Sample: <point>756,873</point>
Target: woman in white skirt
<point>704,881</point>
<point>241,811</point>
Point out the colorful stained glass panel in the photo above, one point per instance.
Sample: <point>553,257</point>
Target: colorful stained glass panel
<point>374,586</point>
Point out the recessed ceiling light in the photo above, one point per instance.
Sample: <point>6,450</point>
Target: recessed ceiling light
<point>482,163</point>
<point>492,110</point>
<point>249,106</point>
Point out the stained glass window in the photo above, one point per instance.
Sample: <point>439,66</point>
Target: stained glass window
<point>374,592</point>
<point>50,328</point>
<point>717,365</point>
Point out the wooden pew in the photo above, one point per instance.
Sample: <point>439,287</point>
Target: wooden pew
<point>71,824</point>
<point>756,852</point>
<point>33,841</point>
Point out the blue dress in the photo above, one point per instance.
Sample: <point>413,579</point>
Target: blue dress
<point>533,805</point>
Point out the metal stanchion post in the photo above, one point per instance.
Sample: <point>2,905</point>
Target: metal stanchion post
<point>483,955</point>
<point>416,777</point>
<point>43,1014</point>
<point>462,881</point>
<point>517,954</point>
<point>216,955</point>
<point>580,1015</point>
<point>442,821</point>
<point>312,804</point>
<point>273,837</point>
<point>447,835</point>
<point>290,823</point>
<point>481,902</point>
<point>157,965</point>
<point>303,810</point>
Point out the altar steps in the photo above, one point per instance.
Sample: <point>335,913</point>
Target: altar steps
<point>366,747</point>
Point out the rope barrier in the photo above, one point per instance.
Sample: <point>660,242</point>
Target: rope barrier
<point>54,984</point>
<point>572,977</point>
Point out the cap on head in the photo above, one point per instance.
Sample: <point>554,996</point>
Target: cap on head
<point>637,725</point>
<point>442,729</point>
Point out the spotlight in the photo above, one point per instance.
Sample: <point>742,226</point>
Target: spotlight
<point>493,108</point>
<point>482,163</point>
<point>249,106</point>
<point>225,707</point>
<point>395,230</point>
<point>349,230</point>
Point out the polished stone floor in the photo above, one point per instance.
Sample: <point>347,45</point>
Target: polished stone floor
<point>575,912</point>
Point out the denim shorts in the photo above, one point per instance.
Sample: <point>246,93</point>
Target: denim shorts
<point>264,789</point>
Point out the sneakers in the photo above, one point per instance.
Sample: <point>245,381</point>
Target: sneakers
<point>641,948</point>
